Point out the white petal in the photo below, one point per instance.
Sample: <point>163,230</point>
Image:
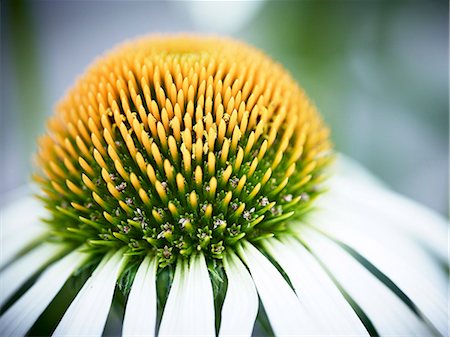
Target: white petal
<point>397,212</point>
<point>140,313</point>
<point>20,317</point>
<point>189,310</point>
<point>20,226</point>
<point>387,312</point>
<point>423,283</point>
<point>241,301</point>
<point>316,291</point>
<point>286,315</point>
<point>86,315</point>
<point>17,273</point>
<point>390,232</point>
<point>376,234</point>
<point>350,168</point>
<point>16,214</point>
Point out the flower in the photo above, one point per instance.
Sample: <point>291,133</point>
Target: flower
<point>191,174</point>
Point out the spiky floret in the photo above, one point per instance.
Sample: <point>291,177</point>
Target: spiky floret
<point>181,144</point>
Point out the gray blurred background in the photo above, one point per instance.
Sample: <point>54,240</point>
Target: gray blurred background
<point>378,71</point>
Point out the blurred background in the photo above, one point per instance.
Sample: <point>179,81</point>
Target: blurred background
<point>378,71</point>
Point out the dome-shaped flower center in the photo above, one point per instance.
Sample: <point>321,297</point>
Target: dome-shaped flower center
<point>181,144</point>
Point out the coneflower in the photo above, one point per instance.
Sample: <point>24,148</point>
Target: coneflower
<point>197,164</point>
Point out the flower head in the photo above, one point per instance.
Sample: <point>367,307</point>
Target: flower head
<point>181,145</point>
<point>194,163</point>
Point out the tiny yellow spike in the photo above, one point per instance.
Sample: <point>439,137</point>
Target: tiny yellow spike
<point>241,184</point>
<point>79,207</point>
<point>57,170</point>
<point>93,128</point>
<point>212,187</point>
<point>106,176</point>
<point>74,188</point>
<point>193,200</point>
<point>106,124</point>
<point>152,125</point>
<point>186,159</point>
<point>262,150</point>
<point>272,135</point>
<point>198,176</point>
<point>308,168</point>
<point>151,174</point>
<point>99,200</point>
<point>135,182</point>
<point>180,183</point>
<point>211,164</point>
<point>225,149</point>
<point>161,190</point>
<point>235,139</point>
<point>143,114</point>
<point>113,154</point>
<point>109,139</point>
<point>71,128</point>
<point>83,148</point>
<point>173,210</point>
<point>112,189</point>
<point>255,191</point>
<point>221,132</point>
<point>187,139</point>
<point>89,184</point>
<point>198,151</point>
<point>156,216</point>
<point>125,207</point>
<point>98,158</point>
<point>121,170</point>
<point>266,176</point>
<point>290,171</point>
<point>169,171</point>
<point>302,182</point>
<point>199,129</point>
<point>108,217</point>
<point>277,160</point>
<point>227,199</point>
<point>173,148</point>
<point>244,120</point>
<point>157,156</point>
<point>130,145</point>
<point>239,159</point>
<point>154,110</point>
<point>259,129</point>
<point>144,197</point>
<point>227,174</point>
<point>219,111</point>
<point>280,186</point>
<point>250,142</point>
<point>97,144</point>
<point>187,118</point>
<point>58,188</point>
<point>175,125</point>
<point>162,135</point>
<point>69,147</point>
<point>208,211</point>
<point>211,138</point>
<point>253,166</point>
<point>240,209</point>
<point>146,142</point>
<point>141,162</point>
<point>233,119</point>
